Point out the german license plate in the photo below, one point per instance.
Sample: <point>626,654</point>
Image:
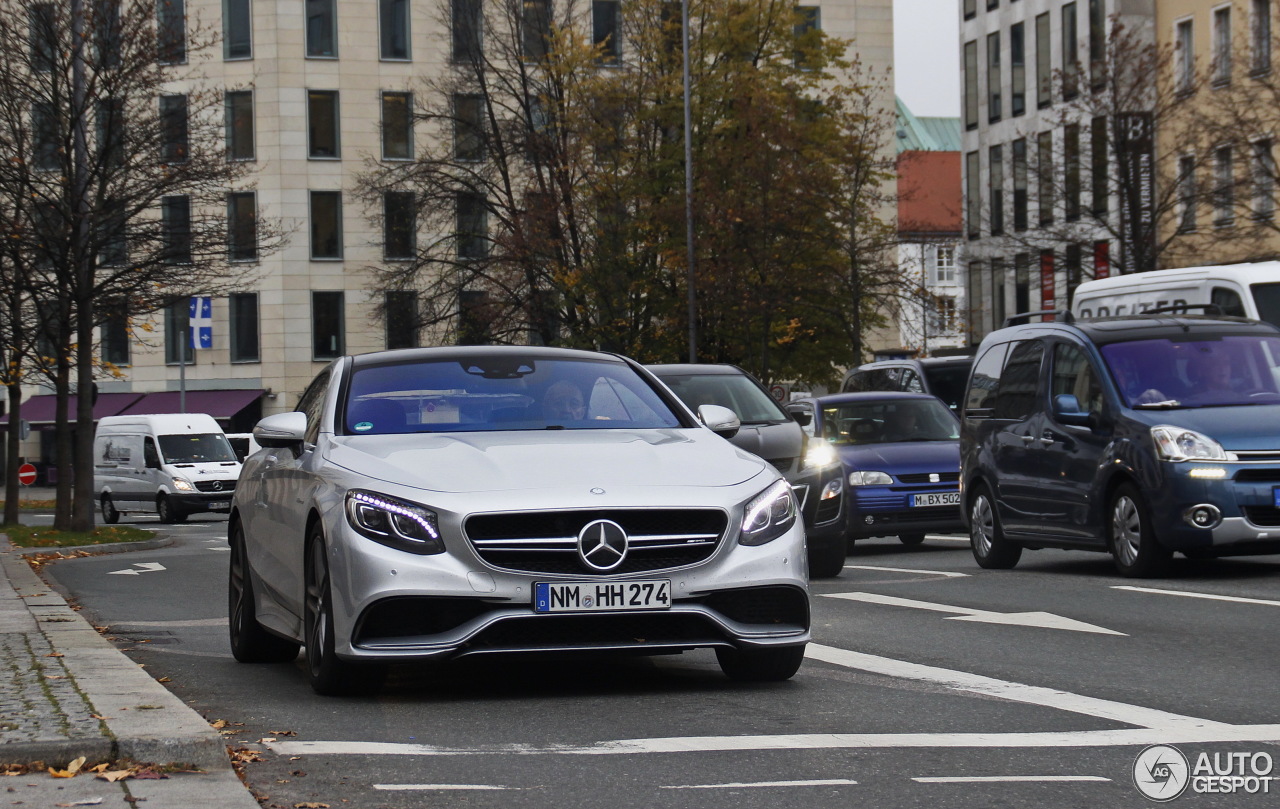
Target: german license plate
<point>1275,496</point>
<point>597,596</point>
<point>935,499</point>
<point>225,505</point>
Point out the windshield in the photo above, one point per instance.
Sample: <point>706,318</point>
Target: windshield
<point>734,391</point>
<point>196,448</point>
<point>947,382</point>
<point>888,422</point>
<point>501,392</point>
<point>1214,371</point>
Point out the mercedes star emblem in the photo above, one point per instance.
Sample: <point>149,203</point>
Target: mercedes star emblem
<point>602,545</point>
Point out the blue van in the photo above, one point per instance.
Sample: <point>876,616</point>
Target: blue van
<point>1138,436</point>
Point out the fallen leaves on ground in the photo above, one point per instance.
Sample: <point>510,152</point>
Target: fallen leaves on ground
<point>310,805</point>
<point>70,771</point>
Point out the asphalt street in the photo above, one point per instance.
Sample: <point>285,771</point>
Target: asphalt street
<point>930,682</point>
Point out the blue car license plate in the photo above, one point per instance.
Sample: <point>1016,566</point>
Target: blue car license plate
<point>1275,496</point>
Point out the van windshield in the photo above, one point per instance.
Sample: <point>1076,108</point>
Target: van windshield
<point>1201,371</point>
<point>196,448</point>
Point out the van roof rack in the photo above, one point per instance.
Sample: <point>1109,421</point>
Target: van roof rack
<point>1181,309</point>
<point>1062,315</point>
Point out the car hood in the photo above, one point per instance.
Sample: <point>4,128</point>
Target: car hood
<point>905,458</point>
<point>1235,428</point>
<point>515,460</point>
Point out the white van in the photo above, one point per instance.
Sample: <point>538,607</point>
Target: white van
<point>1244,290</point>
<point>172,465</point>
<point>244,444</point>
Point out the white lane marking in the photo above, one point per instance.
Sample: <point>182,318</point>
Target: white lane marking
<point>1184,593</point>
<point>430,787</point>
<point>944,573</point>
<point>1004,689</point>
<point>191,622</point>
<point>831,782</point>
<point>223,550</point>
<point>1042,620</point>
<point>147,567</point>
<point>984,779</point>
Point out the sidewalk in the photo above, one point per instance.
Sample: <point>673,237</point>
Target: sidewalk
<point>66,692</point>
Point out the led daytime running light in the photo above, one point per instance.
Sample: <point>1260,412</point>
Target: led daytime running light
<point>398,510</point>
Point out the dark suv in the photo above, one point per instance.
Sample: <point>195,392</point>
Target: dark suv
<point>768,431</point>
<point>1140,436</point>
<point>943,377</point>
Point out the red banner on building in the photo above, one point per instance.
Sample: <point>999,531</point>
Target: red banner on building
<point>1102,259</point>
<point>1046,282</point>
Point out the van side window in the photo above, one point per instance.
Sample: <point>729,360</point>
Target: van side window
<point>150,457</point>
<point>1074,374</point>
<point>981,395</point>
<point>1020,382</point>
<point>1228,300</point>
<point>910,381</point>
<point>855,383</point>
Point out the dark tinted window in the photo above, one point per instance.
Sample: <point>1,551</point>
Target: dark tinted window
<point>872,379</point>
<point>1016,394</point>
<point>1266,297</point>
<point>986,376</point>
<point>947,382</point>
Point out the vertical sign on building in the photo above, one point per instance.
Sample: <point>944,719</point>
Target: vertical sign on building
<point>1102,259</point>
<point>201,315</point>
<point>1046,282</point>
<point>1136,154</point>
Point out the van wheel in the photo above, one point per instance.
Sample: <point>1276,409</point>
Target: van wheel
<point>990,548</point>
<point>250,643</point>
<point>330,675</point>
<point>911,539</point>
<point>110,515</point>
<point>167,512</point>
<point>1134,547</point>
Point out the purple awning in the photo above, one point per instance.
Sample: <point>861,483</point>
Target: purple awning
<point>221,404</point>
<point>42,409</point>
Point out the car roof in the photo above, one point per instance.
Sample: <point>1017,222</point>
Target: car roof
<point>690,368</point>
<point>870,396</point>
<point>922,361</point>
<point>1105,330</point>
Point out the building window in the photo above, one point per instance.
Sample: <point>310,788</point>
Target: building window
<point>115,333</point>
<point>239,112</point>
<point>973,199</point>
<point>472,226</point>
<point>944,264</point>
<point>177,333</point>
<point>237,29</point>
<point>114,237</point>
<point>1260,37</point>
<point>995,178</point>
<point>110,125</point>
<point>473,318</point>
<point>322,123</point>
<point>171,31</point>
<point>322,24</point>
<point>326,224</point>
<point>1044,177</point>
<point>175,145</point>
<point>808,18</point>
<point>994,106</point>
<point>466,22</point>
<point>1070,52</point>
<point>1264,180</point>
<point>393,24</point>
<point>242,314</point>
<point>242,226</point>
<point>468,127</point>
<point>1184,53</point>
<point>1098,172</point>
<point>327,341</point>
<point>970,9</point>
<point>1097,44</point>
<point>974,300</point>
<point>1223,187</point>
<point>1072,260</point>
<point>1019,149</point>
<point>1018,66</point>
<point>175,221</point>
<point>397,126</point>
<point>997,293</point>
<point>1071,171</point>
<point>971,85</point>
<point>606,27</point>
<point>1222,46</point>
<point>1021,283</point>
<point>1187,193</point>
<point>42,24</point>
<point>1044,64</point>
<point>400,311</point>
<point>535,29</point>
<point>946,314</point>
<point>45,132</point>
<point>399,225</point>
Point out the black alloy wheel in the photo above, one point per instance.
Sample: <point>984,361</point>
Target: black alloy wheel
<point>329,675</point>
<point>250,643</point>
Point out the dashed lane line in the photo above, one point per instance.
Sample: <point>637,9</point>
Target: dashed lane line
<point>1188,594</point>
<point>992,779</point>
<point>828,782</point>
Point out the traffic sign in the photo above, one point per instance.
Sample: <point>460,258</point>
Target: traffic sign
<point>26,474</point>
<point>778,392</point>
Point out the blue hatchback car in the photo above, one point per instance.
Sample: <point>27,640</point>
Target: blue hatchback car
<point>901,459</point>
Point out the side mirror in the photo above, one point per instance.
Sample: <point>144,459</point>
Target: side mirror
<point>720,420</point>
<point>801,416</point>
<point>281,430</point>
<point>1066,409</point>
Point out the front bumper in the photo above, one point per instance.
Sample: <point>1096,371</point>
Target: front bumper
<point>876,511</point>
<point>199,502</point>
<point>1245,496</point>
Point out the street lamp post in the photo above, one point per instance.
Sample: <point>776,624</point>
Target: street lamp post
<point>688,185</point>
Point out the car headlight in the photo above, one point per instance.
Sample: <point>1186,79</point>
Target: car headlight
<point>1179,444</point>
<point>769,515</point>
<point>395,523</point>
<point>820,454</point>
<point>183,485</point>
<point>869,479</point>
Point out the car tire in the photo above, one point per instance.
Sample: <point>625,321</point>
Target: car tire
<point>1134,547</point>
<point>826,561</point>
<point>250,643</point>
<point>328,674</point>
<point>986,536</point>
<point>760,665</point>
<point>911,539</point>
<point>110,514</point>
<point>167,511</point>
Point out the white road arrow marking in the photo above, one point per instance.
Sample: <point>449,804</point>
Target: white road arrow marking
<point>1044,620</point>
<point>147,567</point>
<point>946,574</point>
